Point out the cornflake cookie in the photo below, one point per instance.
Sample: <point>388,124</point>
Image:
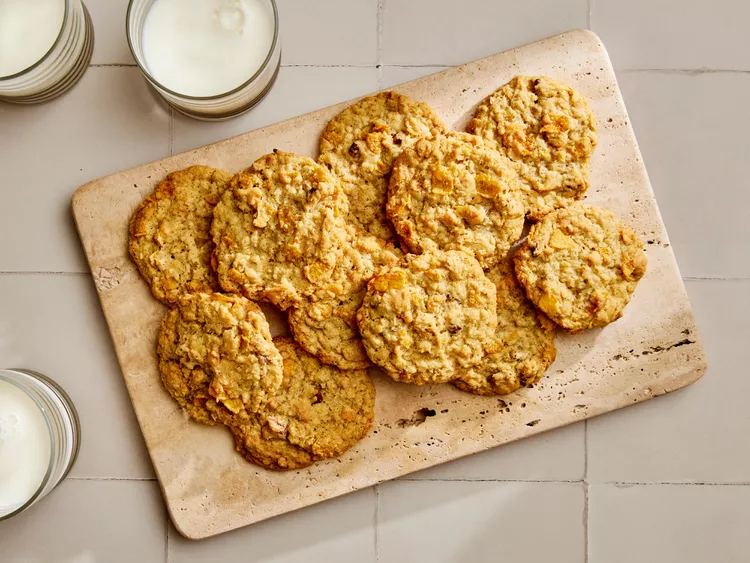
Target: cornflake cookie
<point>170,237</point>
<point>429,319</point>
<point>548,129</point>
<point>523,346</point>
<point>279,230</point>
<point>456,192</point>
<point>327,327</point>
<point>580,266</point>
<point>319,413</point>
<point>216,347</point>
<point>360,144</point>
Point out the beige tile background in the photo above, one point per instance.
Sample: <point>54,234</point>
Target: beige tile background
<point>668,480</point>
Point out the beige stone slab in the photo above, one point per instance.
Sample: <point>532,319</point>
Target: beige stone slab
<point>652,350</point>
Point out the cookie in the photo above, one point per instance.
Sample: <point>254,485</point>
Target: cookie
<point>580,266</point>
<point>216,347</point>
<point>360,144</point>
<point>279,229</point>
<point>523,346</point>
<point>327,327</point>
<point>549,131</point>
<point>319,413</point>
<point>170,238</point>
<point>428,319</point>
<point>456,192</point>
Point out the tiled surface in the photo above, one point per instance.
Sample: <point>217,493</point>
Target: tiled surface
<point>440,32</point>
<point>674,34</point>
<point>455,522</point>
<point>522,502</point>
<point>321,86</point>
<point>109,122</point>
<point>328,32</point>
<point>695,434</point>
<point>691,130</point>
<point>525,460</point>
<point>668,524</point>
<point>89,522</point>
<point>54,325</point>
<point>343,532</point>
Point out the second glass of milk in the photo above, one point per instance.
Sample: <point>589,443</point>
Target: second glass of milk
<point>209,59</point>
<point>39,439</point>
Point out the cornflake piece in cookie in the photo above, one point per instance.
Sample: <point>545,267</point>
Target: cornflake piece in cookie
<point>580,266</point>
<point>429,319</point>
<point>549,131</point>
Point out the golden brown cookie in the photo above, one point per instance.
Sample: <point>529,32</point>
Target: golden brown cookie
<point>319,413</point>
<point>218,347</point>
<point>425,321</point>
<point>580,266</point>
<point>523,346</point>
<point>279,229</point>
<point>456,192</point>
<point>549,131</point>
<point>327,326</point>
<point>170,238</point>
<point>360,144</point>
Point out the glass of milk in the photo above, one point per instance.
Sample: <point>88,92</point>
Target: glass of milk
<point>209,59</point>
<point>39,438</point>
<point>45,47</point>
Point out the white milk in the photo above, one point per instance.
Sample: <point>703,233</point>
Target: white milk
<point>28,29</point>
<point>25,447</point>
<point>206,47</point>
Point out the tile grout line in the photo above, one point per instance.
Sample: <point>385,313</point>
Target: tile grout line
<point>586,491</point>
<point>588,14</point>
<point>427,480</point>
<point>687,71</point>
<point>378,43</point>
<point>377,523</point>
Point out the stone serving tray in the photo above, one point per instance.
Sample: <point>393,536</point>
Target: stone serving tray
<point>652,350</point>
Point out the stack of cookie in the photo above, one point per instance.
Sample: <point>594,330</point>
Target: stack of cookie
<point>394,249</point>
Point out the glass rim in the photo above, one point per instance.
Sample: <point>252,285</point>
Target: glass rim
<point>66,16</point>
<point>45,414</point>
<point>149,76</point>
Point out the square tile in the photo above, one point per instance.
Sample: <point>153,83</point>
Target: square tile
<point>692,131</point>
<point>672,34</point>
<point>108,122</point>
<point>524,460</point>
<point>53,324</point>
<point>695,434</point>
<point>339,530</point>
<point>450,521</point>
<point>110,41</point>
<point>89,522</point>
<point>446,32</point>
<point>668,524</point>
<point>328,32</point>
<point>297,90</point>
<point>391,76</point>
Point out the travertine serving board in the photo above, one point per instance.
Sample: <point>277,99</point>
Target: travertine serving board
<point>652,350</point>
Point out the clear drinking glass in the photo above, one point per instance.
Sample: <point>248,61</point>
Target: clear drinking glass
<point>209,108</point>
<point>61,67</point>
<point>62,422</point>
